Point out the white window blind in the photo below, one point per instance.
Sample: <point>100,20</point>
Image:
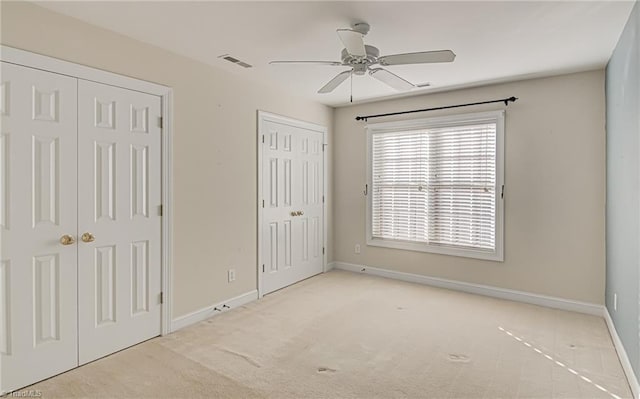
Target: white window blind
<point>435,185</point>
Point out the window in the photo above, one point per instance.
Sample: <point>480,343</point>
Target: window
<point>436,185</point>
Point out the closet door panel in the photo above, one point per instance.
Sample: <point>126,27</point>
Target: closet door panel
<point>38,208</point>
<point>118,209</point>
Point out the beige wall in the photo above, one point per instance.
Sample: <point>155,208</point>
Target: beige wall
<point>555,149</point>
<point>214,145</point>
<point>554,179</point>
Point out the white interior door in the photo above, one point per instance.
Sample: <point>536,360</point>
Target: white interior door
<point>38,192</point>
<point>119,250</point>
<point>292,218</point>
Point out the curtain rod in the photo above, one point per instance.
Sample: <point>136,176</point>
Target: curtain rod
<point>504,100</point>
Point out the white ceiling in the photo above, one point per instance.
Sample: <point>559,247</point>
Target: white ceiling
<point>494,41</point>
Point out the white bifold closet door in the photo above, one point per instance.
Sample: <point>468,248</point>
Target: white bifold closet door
<point>80,190</point>
<point>292,218</point>
<point>38,193</point>
<point>119,272</point>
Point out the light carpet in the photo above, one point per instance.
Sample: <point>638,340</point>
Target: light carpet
<point>346,335</point>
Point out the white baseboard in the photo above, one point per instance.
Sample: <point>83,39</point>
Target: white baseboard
<point>212,310</point>
<point>503,293</point>
<point>622,355</point>
<point>330,266</point>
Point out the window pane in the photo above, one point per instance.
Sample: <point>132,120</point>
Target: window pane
<point>400,167</point>
<point>436,186</point>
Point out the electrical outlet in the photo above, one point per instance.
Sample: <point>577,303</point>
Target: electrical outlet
<point>357,248</point>
<point>615,302</point>
<point>232,275</point>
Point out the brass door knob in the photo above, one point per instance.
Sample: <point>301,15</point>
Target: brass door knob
<point>67,239</point>
<point>88,237</point>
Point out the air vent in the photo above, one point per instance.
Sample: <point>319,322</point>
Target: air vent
<point>234,60</point>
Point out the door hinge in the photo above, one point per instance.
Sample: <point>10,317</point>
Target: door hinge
<point>262,268</point>
<point>160,123</point>
<point>263,203</point>
<point>322,250</point>
<point>160,210</point>
<point>366,190</point>
<point>323,199</point>
<point>161,297</point>
<point>263,139</point>
<point>502,193</point>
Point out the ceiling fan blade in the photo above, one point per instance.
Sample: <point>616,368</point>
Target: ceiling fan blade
<point>391,79</point>
<point>330,63</point>
<point>425,57</point>
<point>353,42</point>
<point>335,82</point>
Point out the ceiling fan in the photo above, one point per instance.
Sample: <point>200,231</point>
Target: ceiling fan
<point>362,58</point>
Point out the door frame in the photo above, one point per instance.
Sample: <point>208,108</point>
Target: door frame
<point>37,61</point>
<point>263,117</point>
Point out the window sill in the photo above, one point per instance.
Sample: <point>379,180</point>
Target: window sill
<point>496,256</point>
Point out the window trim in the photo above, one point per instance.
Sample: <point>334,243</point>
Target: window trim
<point>451,120</point>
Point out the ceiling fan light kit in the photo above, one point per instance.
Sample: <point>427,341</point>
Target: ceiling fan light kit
<point>361,57</point>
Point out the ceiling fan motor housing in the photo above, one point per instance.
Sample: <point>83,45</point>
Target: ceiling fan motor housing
<point>360,64</point>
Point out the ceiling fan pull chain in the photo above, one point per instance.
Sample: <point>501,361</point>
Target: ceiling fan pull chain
<point>351,98</point>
